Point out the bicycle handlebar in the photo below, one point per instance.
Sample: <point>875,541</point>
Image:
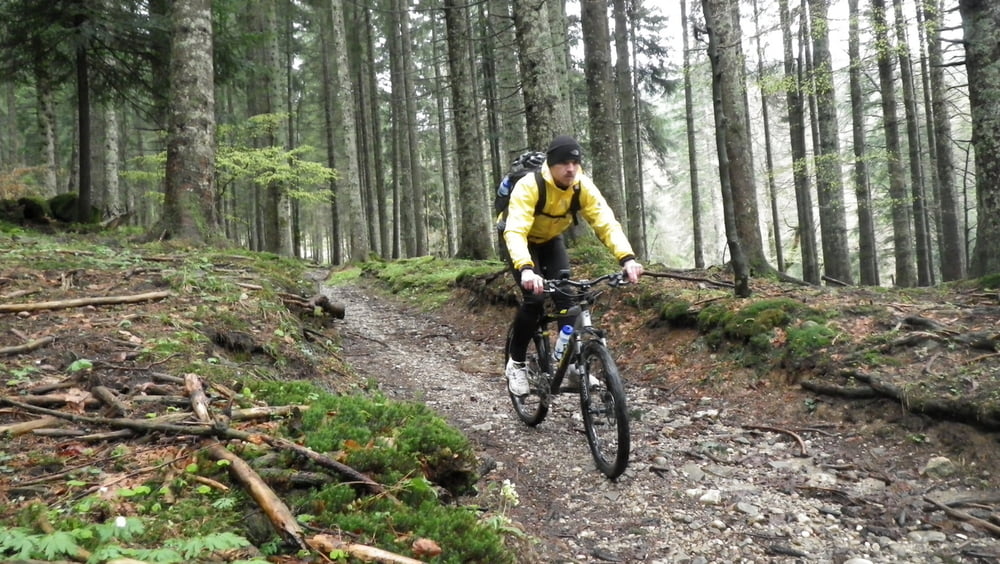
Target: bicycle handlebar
<point>612,279</point>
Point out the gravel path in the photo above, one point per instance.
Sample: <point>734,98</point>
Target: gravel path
<point>701,486</point>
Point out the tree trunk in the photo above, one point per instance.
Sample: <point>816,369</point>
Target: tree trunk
<point>699,251</point>
<point>112,194</point>
<point>631,152</point>
<point>867,249</point>
<point>768,153</point>
<point>513,141</point>
<point>921,231</point>
<point>902,234</point>
<point>449,212</point>
<point>84,186</point>
<point>265,99</point>
<point>981,24</point>
<point>373,130</point>
<point>47,128</point>
<point>412,143</point>
<point>950,241</point>
<point>349,189</point>
<point>717,14</point>
<point>189,199</point>
<point>601,108</point>
<point>402,173</point>
<point>475,239</point>
<point>829,183</point>
<point>540,81</point>
<point>330,99</point>
<point>806,232</point>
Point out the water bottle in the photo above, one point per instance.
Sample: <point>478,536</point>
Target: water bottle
<point>562,341</point>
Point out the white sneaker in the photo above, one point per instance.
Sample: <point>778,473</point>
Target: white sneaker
<point>517,378</point>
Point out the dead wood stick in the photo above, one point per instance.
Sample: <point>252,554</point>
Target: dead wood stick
<point>199,401</point>
<point>326,462</point>
<point>27,347</point>
<point>963,516</point>
<point>327,544</point>
<point>202,430</point>
<point>15,429</point>
<point>109,398</point>
<point>107,435</point>
<point>211,483</point>
<point>79,302</point>
<point>60,399</point>
<point>275,509</point>
<point>689,278</point>
<point>802,444</point>
<point>55,432</point>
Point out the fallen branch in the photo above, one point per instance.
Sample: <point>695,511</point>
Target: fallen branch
<point>27,347</point>
<point>202,430</point>
<point>327,544</point>
<point>110,399</point>
<point>80,302</point>
<point>275,509</point>
<point>15,429</point>
<point>719,283</point>
<point>802,444</point>
<point>963,516</point>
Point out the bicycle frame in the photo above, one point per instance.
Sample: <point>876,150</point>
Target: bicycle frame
<point>583,327</point>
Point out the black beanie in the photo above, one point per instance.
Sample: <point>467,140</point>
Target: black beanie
<point>562,149</point>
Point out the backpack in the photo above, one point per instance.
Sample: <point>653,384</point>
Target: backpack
<point>528,163</point>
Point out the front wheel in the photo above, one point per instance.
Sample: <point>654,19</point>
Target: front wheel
<point>532,408</point>
<point>605,415</point>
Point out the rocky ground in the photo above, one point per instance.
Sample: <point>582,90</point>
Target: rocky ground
<point>762,474</point>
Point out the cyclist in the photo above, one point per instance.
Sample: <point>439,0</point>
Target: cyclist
<point>533,247</point>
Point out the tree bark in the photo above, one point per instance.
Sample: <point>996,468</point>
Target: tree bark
<point>717,13</point>
<point>829,183</point>
<point>768,152</point>
<point>601,108</point>
<point>950,241</point>
<point>723,17</point>
<point>867,248</point>
<point>631,150</point>
<point>692,147</point>
<point>189,211</point>
<point>902,232</point>
<point>475,239</point>
<point>981,25</point>
<point>921,229</point>
<point>540,80</point>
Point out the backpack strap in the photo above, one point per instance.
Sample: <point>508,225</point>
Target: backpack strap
<point>540,184</point>
<point>574,204</point>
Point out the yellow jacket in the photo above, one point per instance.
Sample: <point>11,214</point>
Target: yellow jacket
<point>524,227</point>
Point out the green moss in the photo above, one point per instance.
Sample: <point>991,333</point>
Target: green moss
<point>387,439</point>
<point>805,340</point>
<point>677,312</point>
<point>990,281</point>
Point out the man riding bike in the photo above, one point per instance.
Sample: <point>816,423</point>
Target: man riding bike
<point>532,244</point>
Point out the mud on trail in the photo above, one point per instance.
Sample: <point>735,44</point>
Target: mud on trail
<point>723,469</point>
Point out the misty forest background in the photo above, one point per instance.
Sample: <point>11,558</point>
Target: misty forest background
<point>845,141</point>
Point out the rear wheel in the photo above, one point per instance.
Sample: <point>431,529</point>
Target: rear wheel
<point>532,407</point>
<point>605,415</point>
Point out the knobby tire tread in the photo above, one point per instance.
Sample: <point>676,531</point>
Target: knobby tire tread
<point>610,467</point>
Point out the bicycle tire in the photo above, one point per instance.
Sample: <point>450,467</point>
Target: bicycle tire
<point>533,407</point>
<point>605,413</point>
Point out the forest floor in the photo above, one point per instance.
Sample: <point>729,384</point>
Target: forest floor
<point>860,447</point>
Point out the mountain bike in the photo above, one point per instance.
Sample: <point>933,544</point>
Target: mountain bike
<point>602,393</point>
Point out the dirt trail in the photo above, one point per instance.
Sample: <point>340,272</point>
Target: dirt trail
<point>702,485</point>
